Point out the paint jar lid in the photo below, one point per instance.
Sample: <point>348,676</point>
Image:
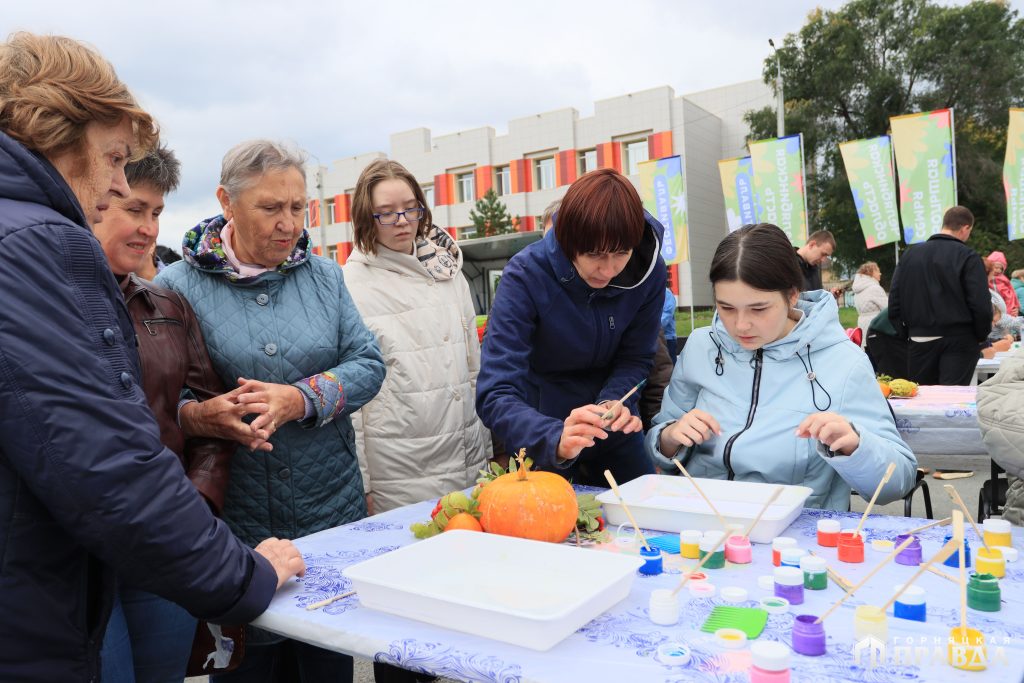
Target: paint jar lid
<point>990,554</point>
<point>710,540</point>
<point>701,589</point>
<point>883,545</point>
<point>673,654</point>
<point>769,655</point>
<point>789,576</point>
<point>775,605</point>
<point>731,638</point>
<point>914,595</point>
<point>766,582</point>
<point>690,536</point>
<point>829,526</point>
<point>997,526</point>
<point>734,594</point>
<point>697,576</point>
<point>1009,554</point>
<point>781,542</point>
<point>813,563</point>
<point>792,555</point>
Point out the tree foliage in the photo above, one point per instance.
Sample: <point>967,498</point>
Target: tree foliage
<point>847,71</point>
<point>491,216</point>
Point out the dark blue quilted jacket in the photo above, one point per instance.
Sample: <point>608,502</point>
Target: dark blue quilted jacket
<point>295,325</point>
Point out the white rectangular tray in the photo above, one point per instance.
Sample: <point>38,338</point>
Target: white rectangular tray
<point>670,503</point>
<point>523,592</point>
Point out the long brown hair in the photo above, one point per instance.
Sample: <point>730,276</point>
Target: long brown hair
<point>760,256</point>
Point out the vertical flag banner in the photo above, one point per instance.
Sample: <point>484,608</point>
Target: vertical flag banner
<point>738,189</point>
<point>778,166</point>
<point>1013,175</point>
<point>663,190</point>
<point>869,169</point>
<point>925,164</point>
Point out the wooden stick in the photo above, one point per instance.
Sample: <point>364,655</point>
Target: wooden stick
<point>768,504</point>
<point>940,522</point>
<point>885,480</point>
<point>636,527</point>
<point>888,558</point>
<point>955,495</point>
<point>328,601</point>
<point>944,552</point>
<point>836,577</point>
<point>611,411</point>
<point>707,500</point>
<point>944,575</point>
<point>700,564</point>
<point>958,534</point>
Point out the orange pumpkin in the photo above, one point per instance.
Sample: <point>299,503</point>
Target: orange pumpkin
<point>463,520</point>
<point>884,386</point>
<point>536,505</point>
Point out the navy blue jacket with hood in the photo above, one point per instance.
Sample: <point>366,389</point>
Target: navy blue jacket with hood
<point>86,488</point>
<point>554,344</point>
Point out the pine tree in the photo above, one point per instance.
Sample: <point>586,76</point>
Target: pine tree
<point>491,216</point>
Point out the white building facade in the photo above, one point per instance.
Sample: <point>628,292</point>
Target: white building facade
<point>541,155</point>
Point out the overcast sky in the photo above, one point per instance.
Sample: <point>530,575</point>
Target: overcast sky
<point>338,78</point>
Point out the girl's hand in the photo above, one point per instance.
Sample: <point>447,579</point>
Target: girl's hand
<point>695,427</point>
<point>831,429</point>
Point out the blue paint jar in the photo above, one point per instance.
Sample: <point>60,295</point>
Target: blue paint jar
<point>954,559</point>
<point>652,561</point>
<point>910,605</point>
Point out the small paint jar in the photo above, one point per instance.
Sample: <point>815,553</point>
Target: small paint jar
<point>910,605</point>
<point>780,543</point>
<point>996,532</point>
<point>734,594</point>
<point>851,547</point>
<point>967,649</point>
<point>701,589</point>
<point>707,544</point>
<point>1009,553</point>
<point>789,584</point>
<point>911,555</point>
<point>828,532</point>
<point>731,638</point>
<point>808,637</point>
<point>954,559</point>
<point>815,572</point>
<point>775,605</point>
<point>689,544</point>
<point>697,576</point>
<point>737,550</point>
<point>983,592</point>
<point>663,608</point>
<point>790,557</point>
<point>673,654</point>
<point>652,561</point>
<point>769,662</point>
<point>869,620</point>
<point>990,561</point>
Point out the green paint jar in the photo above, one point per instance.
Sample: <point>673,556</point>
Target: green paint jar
<point>815,572</point>
<point>983,593</point>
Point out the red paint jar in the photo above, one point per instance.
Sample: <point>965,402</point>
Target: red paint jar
<point>828,532</point>
<point>851,547</point>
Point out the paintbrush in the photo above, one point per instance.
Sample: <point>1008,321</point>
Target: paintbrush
<point>610,413</point>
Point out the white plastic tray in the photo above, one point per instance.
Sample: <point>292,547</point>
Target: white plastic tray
<point>523,592</point>
<point>669,503</point>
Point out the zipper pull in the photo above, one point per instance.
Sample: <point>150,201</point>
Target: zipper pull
<point>611,322</point>
<point>149,327</point>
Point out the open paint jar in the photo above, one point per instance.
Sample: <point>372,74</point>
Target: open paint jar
<point>911,555</point>
<point>990,561</point>
<point>851,547</point>
<point>808,637</point>
<point>737,550</point>
<point>869,620</point>
<point>652,565</point>
<point>983,593</point>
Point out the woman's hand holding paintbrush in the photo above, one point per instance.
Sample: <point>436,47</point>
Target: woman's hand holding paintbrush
<point>586,424</point>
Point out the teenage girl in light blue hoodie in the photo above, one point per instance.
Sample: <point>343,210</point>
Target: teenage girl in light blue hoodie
<point>774,391</point>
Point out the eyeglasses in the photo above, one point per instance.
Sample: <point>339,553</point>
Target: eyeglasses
<point>390,218</point>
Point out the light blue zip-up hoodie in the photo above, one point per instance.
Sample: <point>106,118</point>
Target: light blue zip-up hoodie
<point>759,398</point>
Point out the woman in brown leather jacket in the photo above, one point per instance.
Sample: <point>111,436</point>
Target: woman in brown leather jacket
<point>149,638</point>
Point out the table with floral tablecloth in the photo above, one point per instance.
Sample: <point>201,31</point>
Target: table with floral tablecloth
<point>621,644</point>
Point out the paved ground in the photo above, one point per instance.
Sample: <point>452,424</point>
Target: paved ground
<point>941,507</point>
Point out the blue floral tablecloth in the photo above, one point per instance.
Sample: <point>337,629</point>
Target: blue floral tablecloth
<point>621,644</point>
<point>940,420</point>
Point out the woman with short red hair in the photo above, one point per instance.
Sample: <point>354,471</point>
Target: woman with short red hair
<point>573,328</point>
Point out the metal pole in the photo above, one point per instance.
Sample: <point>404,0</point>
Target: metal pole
<point>323,208</point>
<point>780,106</point>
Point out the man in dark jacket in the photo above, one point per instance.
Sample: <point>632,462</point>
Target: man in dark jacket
<point>86,488</point>
<point>820,246</point>
<point>940,300</point>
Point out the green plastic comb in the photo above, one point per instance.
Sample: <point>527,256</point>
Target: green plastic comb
<point>750,620</point>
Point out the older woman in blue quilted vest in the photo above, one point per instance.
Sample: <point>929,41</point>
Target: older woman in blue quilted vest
<point>279,323</point>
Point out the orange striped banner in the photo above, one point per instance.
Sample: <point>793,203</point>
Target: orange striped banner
<point>314,213</point>
<point>521,171</point>
<point>484,177</point>
<point>453,232</point>
<point>342,208</point>
<point>527,224</point>
<point>344,250</point>
<point>659,145</point>
<point>609,155</point>
<point>444,189</point>
<point>565,167</point>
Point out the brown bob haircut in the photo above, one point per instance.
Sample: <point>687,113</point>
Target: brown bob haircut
<point>759,256</point>
<point>363,222</point>
<point>601,212</point>
<point>52,87</point>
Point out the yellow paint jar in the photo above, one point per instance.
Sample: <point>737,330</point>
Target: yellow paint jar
<point>689,544</point>
<point>967,649</point>
<point>869,620</point>
<point>990,561</point>
<point>996,532</point>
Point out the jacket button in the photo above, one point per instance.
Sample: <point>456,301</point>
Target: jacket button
<point>263,299</point>
<point>126,380</point>
<point>446,337</point>
<point>458,397</point>
<point>284,473</point>
<point>270,349</point>
<point>109,336</point>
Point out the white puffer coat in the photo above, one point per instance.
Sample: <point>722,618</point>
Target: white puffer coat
<point>420,437</point>
<point>870,300</point>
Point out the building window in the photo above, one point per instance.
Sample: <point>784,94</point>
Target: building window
<point>332,252</point>
<point>636,153</point>
<point>328,211</point>
<point>428,194</point>
<point>305,218</point>
<point>545,173</point>
<point>466,187</point>
<point>587,161</point>
<point>466,232</point>
<point>502,181</point>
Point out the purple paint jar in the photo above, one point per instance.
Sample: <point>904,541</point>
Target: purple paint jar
<point>808,637</point>
<point>789,584</point>
<point>911,555</point>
